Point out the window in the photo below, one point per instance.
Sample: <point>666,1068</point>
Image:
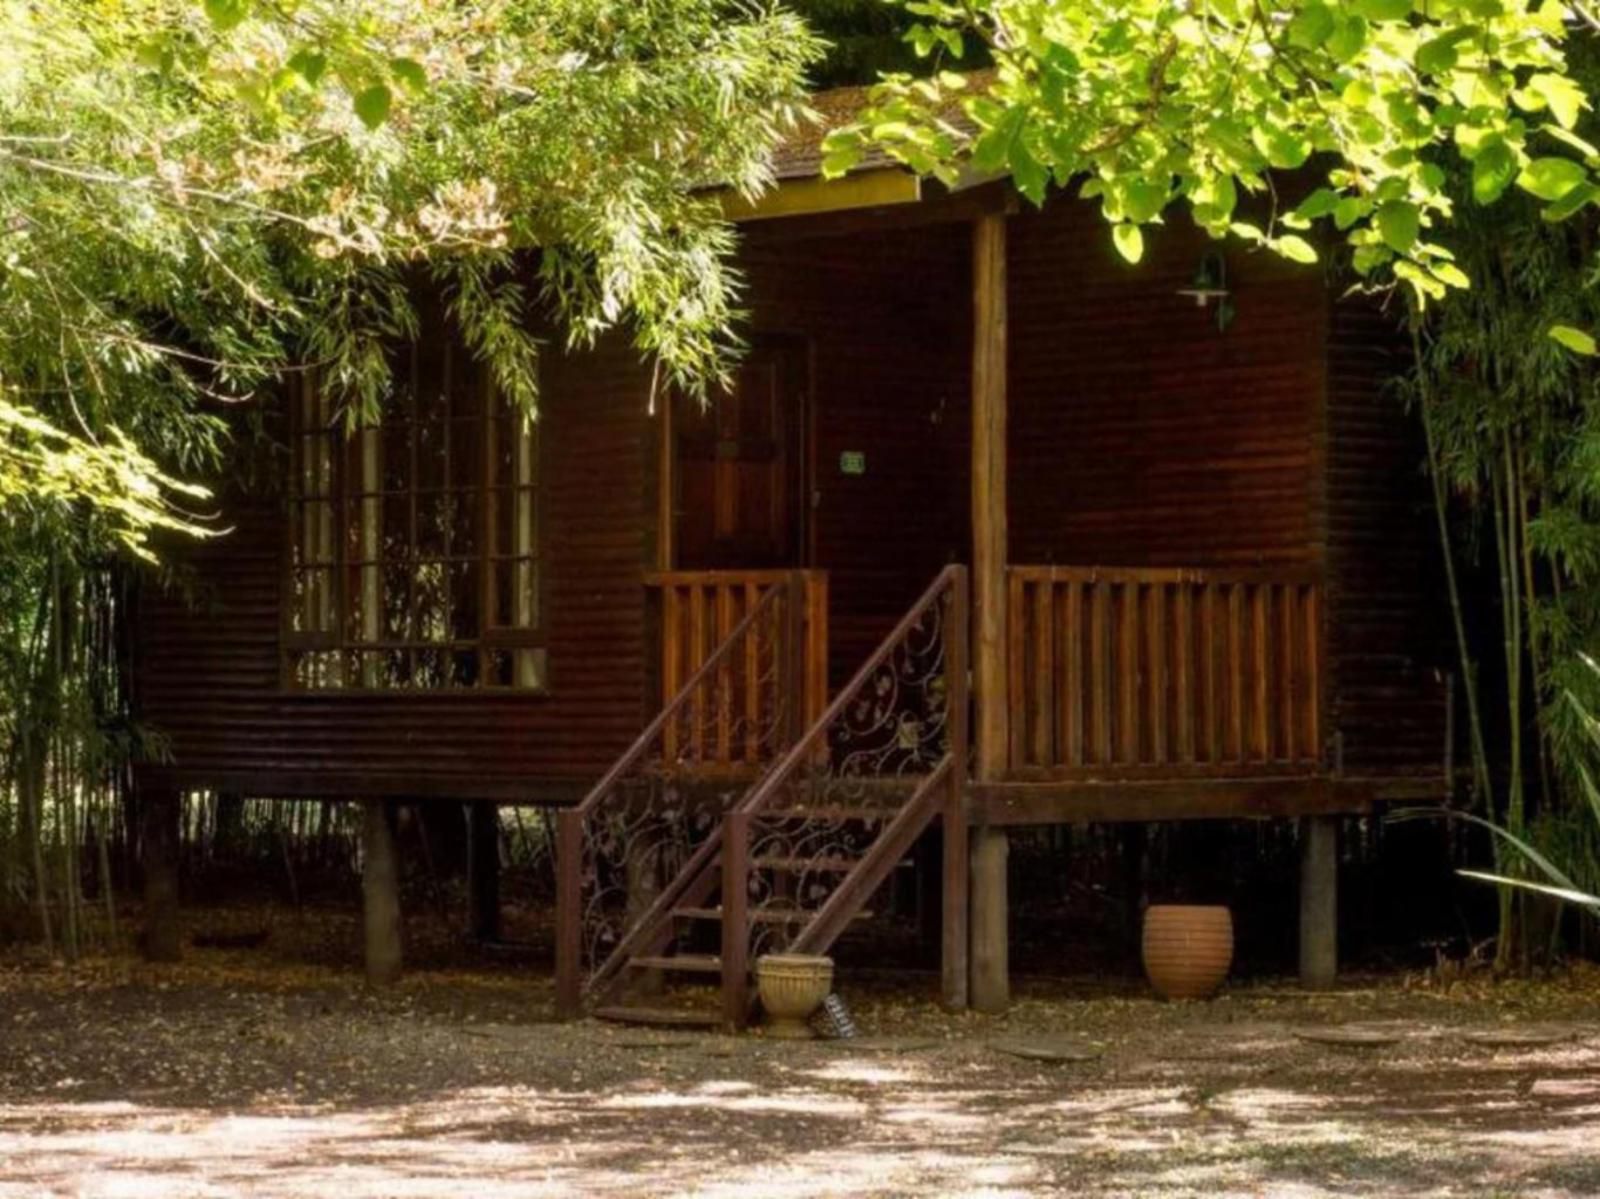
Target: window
<point>414,550</point>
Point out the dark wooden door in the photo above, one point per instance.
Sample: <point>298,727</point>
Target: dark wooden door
<point>741,467</point>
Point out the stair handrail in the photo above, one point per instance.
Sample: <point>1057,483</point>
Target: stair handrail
<point>947,773</point>
<point>571,987</point>
<point>953,578</point>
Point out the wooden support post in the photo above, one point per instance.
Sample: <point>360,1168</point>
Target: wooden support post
<point>569,914</point>
<point>1319,901</point>
<point>380,893</point>
<point>483,868</point>
<point>955,966</point>
<point>160,810</point>
<point>990,968</point>
<point>735,921</point>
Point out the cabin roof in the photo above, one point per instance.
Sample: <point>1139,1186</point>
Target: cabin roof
<point>799,156</point>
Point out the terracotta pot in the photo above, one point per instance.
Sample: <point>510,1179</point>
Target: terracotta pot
<point>792,986</point>
<point>1187,949</point>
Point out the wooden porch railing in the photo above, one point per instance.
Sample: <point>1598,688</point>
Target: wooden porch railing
<point>1163,673</point>
<point>698,611</point>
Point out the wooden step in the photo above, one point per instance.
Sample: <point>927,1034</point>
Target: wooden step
<point>687,963</point>
<point>814,865</point>
<point>832,813</point>
<point>659,1017</point>
<point>761,915</point>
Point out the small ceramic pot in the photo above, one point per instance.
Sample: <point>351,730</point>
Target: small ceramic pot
<point>792,986</point>
<point>1187,949</point>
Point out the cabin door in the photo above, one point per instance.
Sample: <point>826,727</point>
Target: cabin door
<point>741,466</point>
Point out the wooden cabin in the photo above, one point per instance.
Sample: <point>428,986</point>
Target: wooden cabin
<point>993,530</point>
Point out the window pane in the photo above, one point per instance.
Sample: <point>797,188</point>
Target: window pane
<point>430,600</point>
<point>414,536</point>
<point>465,593</point>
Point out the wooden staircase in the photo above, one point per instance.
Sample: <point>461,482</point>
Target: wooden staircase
<point>791,862</point>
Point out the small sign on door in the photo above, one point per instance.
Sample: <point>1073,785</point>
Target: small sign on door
<point>853,462</point>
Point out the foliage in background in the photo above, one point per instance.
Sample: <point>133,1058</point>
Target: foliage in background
<point>1146,104</point>
<point>193,196</point>
<point>866,39</point>
<point>198,196</point>
<point>1512,424</point>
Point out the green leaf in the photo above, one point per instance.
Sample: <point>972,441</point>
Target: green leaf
<point>1575,340</point>
<point>1492,171</point>
<point>1579,197</point>
<point>309,65</point>
<point>1295,249</point>
<point>1143,199</point>
<point>226,14</point>
<point>1350,209</point>
<point>410,72</point>
<point>1438,55</point>
<point>1318,204</point>
<point>1129,240</point>
<point>1551,178</point>
<point>1383,10</point>
<point>1030,175</point>
<point>1398,224</point>
<point>1567,137</point>
<point>1582,898</point>
<point>372,105</point>
<point>1311,26</point>
<point>1281,148</point>
<point>1347,38</point>
<point>1565,98</point>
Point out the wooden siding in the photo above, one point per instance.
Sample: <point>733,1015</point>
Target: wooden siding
<point>1140,434</point>
<point>1387,629</point>
<point>209,678</point>
<point>887,318</point>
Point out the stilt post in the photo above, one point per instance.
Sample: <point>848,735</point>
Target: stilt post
<point>160,810</point>
<point>1319,901</point>
<point>990,967</point>
<point>380,893</point>
<point>483,868</point>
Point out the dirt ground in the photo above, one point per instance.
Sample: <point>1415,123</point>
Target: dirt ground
<point>264,1072</point>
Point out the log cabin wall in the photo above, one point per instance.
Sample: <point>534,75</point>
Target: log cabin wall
<point>885,320</point>
<point>1141,435</point>
<point>887,317</point>
<point>208,678</point>
<point>1388,628</point>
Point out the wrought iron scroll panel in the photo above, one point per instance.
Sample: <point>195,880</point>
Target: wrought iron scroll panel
<point>826,825</point>
<point>659,810</point>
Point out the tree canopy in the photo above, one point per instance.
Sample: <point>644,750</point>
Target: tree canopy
<point>1153,104</point>
<point>197,196</point>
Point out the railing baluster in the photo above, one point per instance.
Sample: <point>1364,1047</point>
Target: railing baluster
<point>1183,670</point>
<point>1210,634</point>
<point>1100,670</point>
<point>697,655</point>
<point>1156,697</point>
<point>1261,674</point>
<point>1017,674</point>
<point>1288,658</point>
<point>1128,674</point>
<point>1043,718</point>
<point>1070,655</point>
<point>724,754</point>
<point>1312,731</point>
<point>1236,695</point>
